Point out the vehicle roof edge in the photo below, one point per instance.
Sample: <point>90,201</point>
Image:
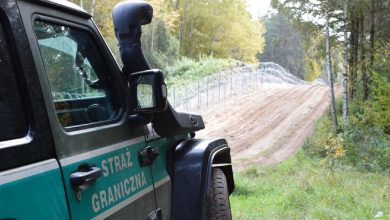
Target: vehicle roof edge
<point>64,5</point>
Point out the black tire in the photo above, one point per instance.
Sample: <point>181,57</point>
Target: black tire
<point>217,204</point>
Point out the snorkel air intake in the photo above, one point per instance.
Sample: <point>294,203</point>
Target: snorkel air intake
<point>128,18</point>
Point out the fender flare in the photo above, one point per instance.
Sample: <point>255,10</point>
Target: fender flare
<point>193,160</point>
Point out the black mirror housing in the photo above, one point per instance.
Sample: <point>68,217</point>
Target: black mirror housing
<point>148,91</point>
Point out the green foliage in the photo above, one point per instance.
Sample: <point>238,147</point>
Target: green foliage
<point>160,47</point>
<point>315,57</point>
<point>102,15</point>
<point>300,188</point>
<point>112,43</point>
<point>313,69</point>
<point>223,29</point>
<point>284,45</point>
<point>187,70</point>
<point>367,148</point>
<point>383,58</point>
<point>378,111</point>
<point>365,141</point>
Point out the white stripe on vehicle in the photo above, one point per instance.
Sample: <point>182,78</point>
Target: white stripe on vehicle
<point>162,181</point>
<point>27,171</point>
<point>80,157</point>
<point>132,199</point>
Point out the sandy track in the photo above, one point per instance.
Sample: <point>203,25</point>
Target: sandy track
<point>268,125</point>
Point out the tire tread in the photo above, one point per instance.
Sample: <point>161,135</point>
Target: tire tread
<point>218,206</point>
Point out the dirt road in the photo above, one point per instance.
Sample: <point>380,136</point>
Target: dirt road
<point>267,126</point>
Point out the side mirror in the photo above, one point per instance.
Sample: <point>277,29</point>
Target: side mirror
<point>148,91</point>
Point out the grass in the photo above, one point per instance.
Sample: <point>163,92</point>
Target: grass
<point>301,188</point>
<point>186,71</point>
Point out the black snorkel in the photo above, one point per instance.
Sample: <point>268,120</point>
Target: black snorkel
<point>128,18</point>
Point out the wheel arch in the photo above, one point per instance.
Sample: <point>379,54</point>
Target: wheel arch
<point>193,160</point>
<point>222,160</point>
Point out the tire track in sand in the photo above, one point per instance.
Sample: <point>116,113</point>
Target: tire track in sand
<point>267,126</point>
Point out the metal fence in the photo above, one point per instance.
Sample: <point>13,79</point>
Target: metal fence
<point>228,85</point>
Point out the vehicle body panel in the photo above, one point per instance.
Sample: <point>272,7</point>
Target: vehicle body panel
<point>123,181</point>
<point>193,161</point>
<point>36,180</point>
<point>97,143</point>
<point>34,190</point>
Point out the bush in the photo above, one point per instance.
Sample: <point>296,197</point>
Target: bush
<point>359,145</point>
<point>378,109</point>
<point>365,141</point>
<point>187,70</point>
<point>367,147</point>
<point>161,50</point>
<point>160,47</point>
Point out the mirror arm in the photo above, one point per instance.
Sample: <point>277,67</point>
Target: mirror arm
<point>170,123</point>
<point>139,120</point>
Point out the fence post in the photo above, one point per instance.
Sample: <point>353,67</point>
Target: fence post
<point>235,93</point>
<point>242,80</point>
<point>213,94</point>
<point>186,100</point>
<point>174,97</point>
<point>219,88</point>
<point>269,83</point>
<point>207,92</point>
<point>261,80</point>
<point>198,96</point>
<point>256,79</point>
<point>224,90</point>
<point>250,80</point>
<point>231,82</point>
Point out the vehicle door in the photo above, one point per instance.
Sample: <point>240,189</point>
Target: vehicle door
<point>31,184</point>
<point>87,101</point>
<point>160,166</point>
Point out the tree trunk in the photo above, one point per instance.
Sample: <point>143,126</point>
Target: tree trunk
<point>372,38</point>
<point>363,57</point>
<point>345,74</point>
<point>335,64</point>
<point>183,38</point>
<point>152,30</point>
<point>352,56</point>
<point>355,56</point>
<point>329,72</point>
<point>92,7</point>
<point>191,49</point>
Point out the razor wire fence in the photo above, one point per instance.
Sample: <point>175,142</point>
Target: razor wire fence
<point>230,85</point>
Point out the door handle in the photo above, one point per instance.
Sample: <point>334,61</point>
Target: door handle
<point>84,177</point>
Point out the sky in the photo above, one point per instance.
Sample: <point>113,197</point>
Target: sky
<point>259,7</point>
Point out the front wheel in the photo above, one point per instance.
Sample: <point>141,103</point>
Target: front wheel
<point>217,204</point>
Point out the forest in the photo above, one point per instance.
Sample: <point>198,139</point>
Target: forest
<point>355,58</point>
<point>347,43</point>
<point>186,34</point>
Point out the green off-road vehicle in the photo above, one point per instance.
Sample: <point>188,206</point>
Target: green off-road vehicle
<point>82,139</point>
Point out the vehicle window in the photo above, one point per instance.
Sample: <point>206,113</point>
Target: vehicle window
<point>77,74</point>
<point>13,122</point>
